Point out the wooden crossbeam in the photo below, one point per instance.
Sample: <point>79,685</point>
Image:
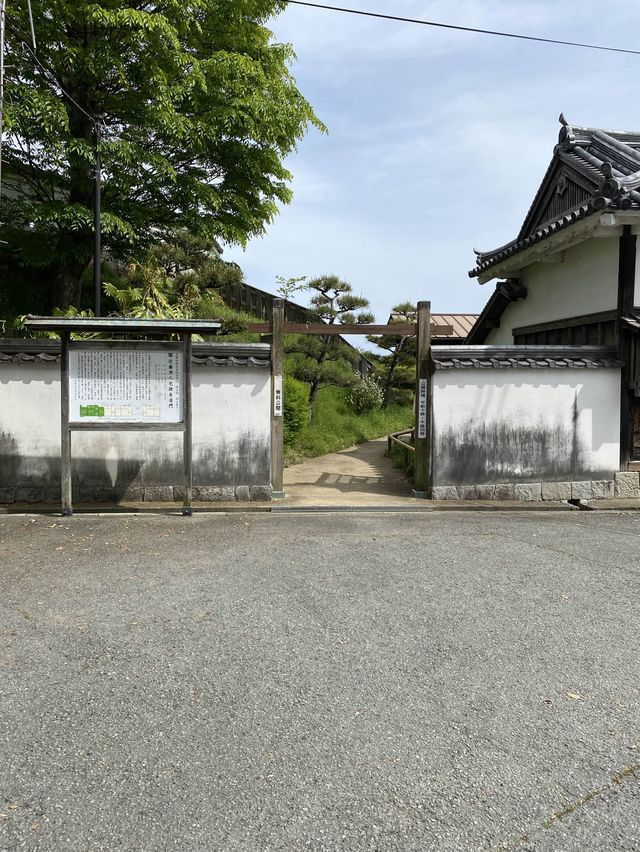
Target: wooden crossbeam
<point>397,329</point>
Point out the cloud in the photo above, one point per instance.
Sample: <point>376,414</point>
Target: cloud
<point>438,140</point>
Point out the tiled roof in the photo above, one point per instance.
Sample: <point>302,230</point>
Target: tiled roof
<point>22,351</point>
<point>591,171</point>
<point>527,357</point>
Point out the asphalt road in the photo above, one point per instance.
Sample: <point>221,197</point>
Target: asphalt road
<point>454,681</point>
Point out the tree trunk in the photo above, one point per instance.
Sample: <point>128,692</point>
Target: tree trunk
<point>391,374</point>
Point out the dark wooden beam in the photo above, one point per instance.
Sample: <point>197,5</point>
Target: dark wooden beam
<point>399,329</point>
<point>626,286</point>
<point>557,325</point>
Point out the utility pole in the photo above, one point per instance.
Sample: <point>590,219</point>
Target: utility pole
<point>97,249</point>
<point>3,9</point>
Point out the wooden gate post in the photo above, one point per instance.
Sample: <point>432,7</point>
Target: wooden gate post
<point>277,399</point>
<point>422,456</point>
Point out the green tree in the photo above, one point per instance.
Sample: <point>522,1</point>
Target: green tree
<point>324,360</point>
<point>179,279</point>
<point>197,109</point>
<point>399,363</point>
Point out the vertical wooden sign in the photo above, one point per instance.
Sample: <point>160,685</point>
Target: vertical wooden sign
<point>277,400</point>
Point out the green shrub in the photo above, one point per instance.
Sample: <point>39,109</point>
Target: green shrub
<point>295,407</point>
<point>366,395</point>
<point>335,426</point>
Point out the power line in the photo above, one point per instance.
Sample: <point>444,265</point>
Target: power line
<point>464,29</point>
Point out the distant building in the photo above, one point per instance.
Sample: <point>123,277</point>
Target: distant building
<point>259,303</point>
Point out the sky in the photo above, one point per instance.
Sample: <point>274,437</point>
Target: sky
<point>437,141</point>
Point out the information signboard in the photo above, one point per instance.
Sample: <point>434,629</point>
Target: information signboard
<point>119,385</point>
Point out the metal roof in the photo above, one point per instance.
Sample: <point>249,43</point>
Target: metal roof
<point>592,171</point>
<point>460,323</point>
<point>527,357</point>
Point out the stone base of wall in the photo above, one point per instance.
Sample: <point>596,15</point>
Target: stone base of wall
<point>625,485</point>
<point>148,494</point>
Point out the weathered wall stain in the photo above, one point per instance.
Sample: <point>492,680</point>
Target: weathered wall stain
<point>234,462</point>
<point>241,462</point>
<point>9,459</point>
<point>484,453</point>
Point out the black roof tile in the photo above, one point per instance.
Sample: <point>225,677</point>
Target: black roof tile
<point>605,164</point>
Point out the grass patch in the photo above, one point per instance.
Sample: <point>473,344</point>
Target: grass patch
<point>335,426</point>
<point>402,460</point>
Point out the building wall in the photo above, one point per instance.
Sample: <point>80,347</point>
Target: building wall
<point>584,282</point>
<point>231,439</point>
<point>525,425</point>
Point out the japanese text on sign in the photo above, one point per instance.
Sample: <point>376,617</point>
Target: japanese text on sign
<point>277,396</point>
<point>422,408</point>
<point>125,386</point>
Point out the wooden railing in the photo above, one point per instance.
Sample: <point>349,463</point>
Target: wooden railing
<point>395,438</point>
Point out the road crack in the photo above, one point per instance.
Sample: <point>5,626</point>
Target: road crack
<point>616,780</point>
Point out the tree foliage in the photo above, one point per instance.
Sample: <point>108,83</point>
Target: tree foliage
<point>322,361</point>
<point>400,363</point>
<point>197,109</point>
<point>179,279</point>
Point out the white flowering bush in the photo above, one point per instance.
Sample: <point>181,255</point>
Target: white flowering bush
<point>366,395</point>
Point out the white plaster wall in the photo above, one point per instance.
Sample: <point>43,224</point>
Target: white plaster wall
<point>585,282</point>
<point>231,422</point>
<point>505,421</point>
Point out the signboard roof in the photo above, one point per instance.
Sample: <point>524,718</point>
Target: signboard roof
<point>127,326</point>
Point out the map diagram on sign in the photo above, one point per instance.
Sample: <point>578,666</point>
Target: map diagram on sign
<point>125,385</point>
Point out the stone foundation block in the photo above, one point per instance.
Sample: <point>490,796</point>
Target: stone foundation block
<point>505,492</point>
<point>260,493</point>
<point>214,494</point>
<point>7,495</point>
<point>243,493</point>
<point>556,490</point>
<point>132,492</point>
<point>158,494</point>
<point>603,489</point>
<point>581,491</point>
<point>467,492</point>
<point>528,491</point>
<point>486,492</point>
<point>627,485</point>
<point>29,494</point>
<point>445,492</point>
<point>52,494</point>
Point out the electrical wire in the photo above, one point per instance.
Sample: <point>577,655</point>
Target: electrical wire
<point>33,32</point>
<point>50,76</point>
<point>464,29</point>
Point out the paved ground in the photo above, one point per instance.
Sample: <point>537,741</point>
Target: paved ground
<point>360,476</point>
<point>455,681</point>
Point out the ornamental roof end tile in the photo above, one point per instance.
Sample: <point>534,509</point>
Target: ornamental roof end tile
<point>603,166</point>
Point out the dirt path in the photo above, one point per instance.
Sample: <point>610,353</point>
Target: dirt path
<point>361,475</point>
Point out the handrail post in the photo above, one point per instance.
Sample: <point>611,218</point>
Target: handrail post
<point>422,456</point>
